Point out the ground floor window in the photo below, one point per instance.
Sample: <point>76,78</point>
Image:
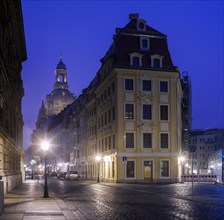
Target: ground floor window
<point>130,169</point>
<point>165,171</point>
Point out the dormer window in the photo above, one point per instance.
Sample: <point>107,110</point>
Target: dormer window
<point>135,59</point>
<point>141,25</point>
<point>157,61</point>
<point>144,43</point>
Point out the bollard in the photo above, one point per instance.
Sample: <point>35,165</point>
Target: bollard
<point>1,196</point>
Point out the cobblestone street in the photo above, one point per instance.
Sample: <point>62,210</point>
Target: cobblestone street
<point>82,200</point>
<point>130,201</point>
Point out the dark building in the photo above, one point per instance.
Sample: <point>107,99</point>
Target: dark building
<point>12,54</point>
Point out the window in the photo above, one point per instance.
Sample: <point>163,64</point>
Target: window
<point>147,112</point>
<point>165,172</point>
<point>113,87</point>
<point>144,43</point>
<point>113,113</point>
<point>146,85</point>
<point>129,84</point>
<point>156,61</point>
<point>113,141</point>
<point>101,120</point>
<point>135,61</point>
<point>164,112</point>
<point>163,86</point>
<point>129,140</point>
<point>109,113</point>
<point>141,25</point>
<point>105,118</point>
<point>164,138</point>
<point>129,111</point>
<point>109,142</point>
<point>147,140</point>
<point>130,169</point>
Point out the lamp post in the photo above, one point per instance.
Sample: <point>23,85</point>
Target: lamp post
<point>45,147</point>
<point>98,168</point>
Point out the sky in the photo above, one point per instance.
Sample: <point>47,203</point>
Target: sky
<point>82,31</point>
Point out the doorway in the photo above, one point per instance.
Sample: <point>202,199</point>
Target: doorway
<point>148,170</point>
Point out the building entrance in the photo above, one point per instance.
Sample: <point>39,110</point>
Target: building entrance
<point>148,174</point>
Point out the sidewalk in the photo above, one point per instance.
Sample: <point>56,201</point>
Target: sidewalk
<point>26,202</point>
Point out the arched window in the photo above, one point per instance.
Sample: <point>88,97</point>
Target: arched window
<point>135,59</point>
<point>144,43</point>
<point>157,61</point>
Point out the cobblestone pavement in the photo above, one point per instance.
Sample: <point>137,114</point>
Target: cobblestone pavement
<point>132,201</point>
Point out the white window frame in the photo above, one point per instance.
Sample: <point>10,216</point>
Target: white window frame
<point>164,177</point>
<point>168,112</point>
<point>125,110</point>
<point>133,84</point>
<point>143,140</point>
<point>135,54</point>
<point>141,21</point>
<point>130,178</point>
<point>141,44</point>
<point>168,140</point>
<point>157,56</point>
<point>146,79</point>
<point>126,139</point>
<point>167,86</point>
<point>143,112</point>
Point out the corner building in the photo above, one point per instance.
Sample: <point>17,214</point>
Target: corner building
<point>134,119</point>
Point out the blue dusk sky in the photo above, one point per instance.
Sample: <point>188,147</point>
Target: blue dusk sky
<point>82,31</point>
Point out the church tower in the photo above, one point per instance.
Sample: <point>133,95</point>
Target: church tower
<point>59,98</point>
<point>61,76</point>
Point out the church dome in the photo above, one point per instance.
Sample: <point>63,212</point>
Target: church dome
<point>57,100</point>
<point>60,96</point>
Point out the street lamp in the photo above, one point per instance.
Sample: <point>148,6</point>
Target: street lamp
<point>98,158</point>
<point>45,147</point>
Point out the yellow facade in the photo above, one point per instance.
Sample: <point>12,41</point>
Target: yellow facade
<point>146,162</point>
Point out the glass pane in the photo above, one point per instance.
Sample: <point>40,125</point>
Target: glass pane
<point>147,112</point>
<point>146,85</point>
<point>130,169</point>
